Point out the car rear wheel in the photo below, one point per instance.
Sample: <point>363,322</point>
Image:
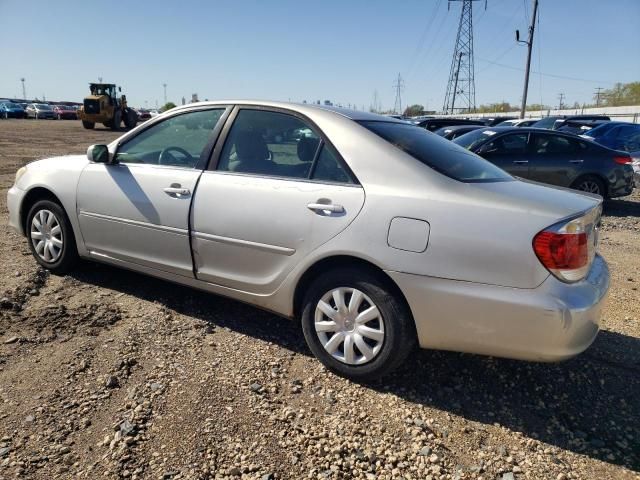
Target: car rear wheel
<point>590,184</point>
<point>356,324</point>
<point>88,125</point>
<point>51,237</point>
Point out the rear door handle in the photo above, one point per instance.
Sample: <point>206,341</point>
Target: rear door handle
<point>576,161</point>
<point>177,191</point>
<point>521,161</point>
<point>326,207</point>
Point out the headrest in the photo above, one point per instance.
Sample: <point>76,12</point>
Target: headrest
<point>307,148</point>
<point>251,146</point>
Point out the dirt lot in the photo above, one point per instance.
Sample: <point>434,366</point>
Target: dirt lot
<point>109,374</point>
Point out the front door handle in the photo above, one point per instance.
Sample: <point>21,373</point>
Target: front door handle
<point>325,207</point>
<point>520,161</point>
<point>177,191</point>
<point>576,161</point>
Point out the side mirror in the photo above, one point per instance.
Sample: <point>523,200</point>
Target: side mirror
<point>98,154</point>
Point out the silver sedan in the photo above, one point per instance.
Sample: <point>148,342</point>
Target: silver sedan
<point>376,234</point>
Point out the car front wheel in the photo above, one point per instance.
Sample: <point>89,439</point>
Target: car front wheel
<point>51,237</point>
<point>356,324</point>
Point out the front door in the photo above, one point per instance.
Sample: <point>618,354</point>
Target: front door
<point>509,152</point>
<point>277,193</point>
<point>137,209</point>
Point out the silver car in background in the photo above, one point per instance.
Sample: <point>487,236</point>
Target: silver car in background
<point>376,234</point>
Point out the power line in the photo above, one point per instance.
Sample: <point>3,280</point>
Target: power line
<point>561,98</point>
<point>598,95</point>
<point>461,82</point>
<point>423,37</point>
<point>399,86</point>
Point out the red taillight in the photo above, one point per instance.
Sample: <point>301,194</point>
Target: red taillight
<point>622,160</point>
<point>568,248</point>
<point>562,251</point>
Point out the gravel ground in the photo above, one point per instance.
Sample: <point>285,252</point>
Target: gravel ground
<point>109,374</point>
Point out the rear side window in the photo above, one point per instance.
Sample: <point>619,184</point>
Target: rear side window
<point>554,144</point>
<point>437,153</point>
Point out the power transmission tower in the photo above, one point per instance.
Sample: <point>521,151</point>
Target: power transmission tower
<point>598,95</point>
<point>24,90</point>
<point>561,98</point>
<point>398,86</point>
<point>461,85</point>
<point>375,104</point>
<point>529,44</point>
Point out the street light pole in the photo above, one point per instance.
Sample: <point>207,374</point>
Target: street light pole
<point>529,44</point>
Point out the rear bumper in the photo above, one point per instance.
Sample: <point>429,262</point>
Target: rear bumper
<point>14,200</point>
<point>552,322</point>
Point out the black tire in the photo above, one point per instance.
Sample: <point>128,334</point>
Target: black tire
<point>117,120</point>
<point>400,337</point>
<point>130,119</point>
<point>68,256</point>
<point>88,125</point>
<point>591,184</point>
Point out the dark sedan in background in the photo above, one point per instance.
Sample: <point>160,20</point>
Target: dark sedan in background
<point>11,110</point>
<point>554,158</point>
<point>455,131</point>
<point>617,135</point>
<point>433,124</point>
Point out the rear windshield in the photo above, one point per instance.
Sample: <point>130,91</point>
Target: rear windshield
<point>441,155</point>
<point>474,138</point>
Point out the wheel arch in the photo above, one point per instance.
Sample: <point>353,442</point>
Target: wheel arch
<point>599,176</point>
<point>34,195</point>
<point>338,262</point>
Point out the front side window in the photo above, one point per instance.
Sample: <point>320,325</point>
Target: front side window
<point>509,144</point>
<point>280,145</point>
<point>178,141</point>
<point>438,153</point>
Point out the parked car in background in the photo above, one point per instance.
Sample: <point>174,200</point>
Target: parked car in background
<point>64,112</point>
<point>559,123</point>
<point>39,110</point>
<point>554,158</point>
<point>143,114</point>
<point>556,121</point>
<point>11,110</point>
<point>377,235</point>
<point>518,122</point>
<point>433,124</point>
<point>578,127</point>
<point>455,131</point>
<point>492,121</point>
<point>154,113</point>
<point>617,135</point>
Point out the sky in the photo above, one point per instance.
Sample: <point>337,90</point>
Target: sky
<point>342,50</point>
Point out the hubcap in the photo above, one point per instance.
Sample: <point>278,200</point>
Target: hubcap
<point>46,236</point>
<point>589,186</point>
<point>349,326</point>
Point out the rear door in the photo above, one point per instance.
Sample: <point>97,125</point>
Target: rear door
<point>557,159</point>
<point>509,152</point>
<point>276,190</point>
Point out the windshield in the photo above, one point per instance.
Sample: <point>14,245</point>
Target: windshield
<point>601,129</point>
<point>40,106</point>
<point>436,152</point>
<point>474,138</point>
<point>545,122</point>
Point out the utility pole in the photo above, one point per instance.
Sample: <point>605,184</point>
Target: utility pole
<point>461,84</point>
<point>165,93</point>
<point>399,86</point>
<point>529,44</point>
<point>24,90</point>
<point>561,98</point>
<point>598,95</point>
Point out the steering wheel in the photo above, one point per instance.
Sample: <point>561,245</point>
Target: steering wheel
<point>166,158</point>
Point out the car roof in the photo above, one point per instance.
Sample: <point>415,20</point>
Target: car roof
<point>460,127</point>
<point>357,115</point>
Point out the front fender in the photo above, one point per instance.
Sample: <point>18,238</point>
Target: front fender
<point>59,176</point>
